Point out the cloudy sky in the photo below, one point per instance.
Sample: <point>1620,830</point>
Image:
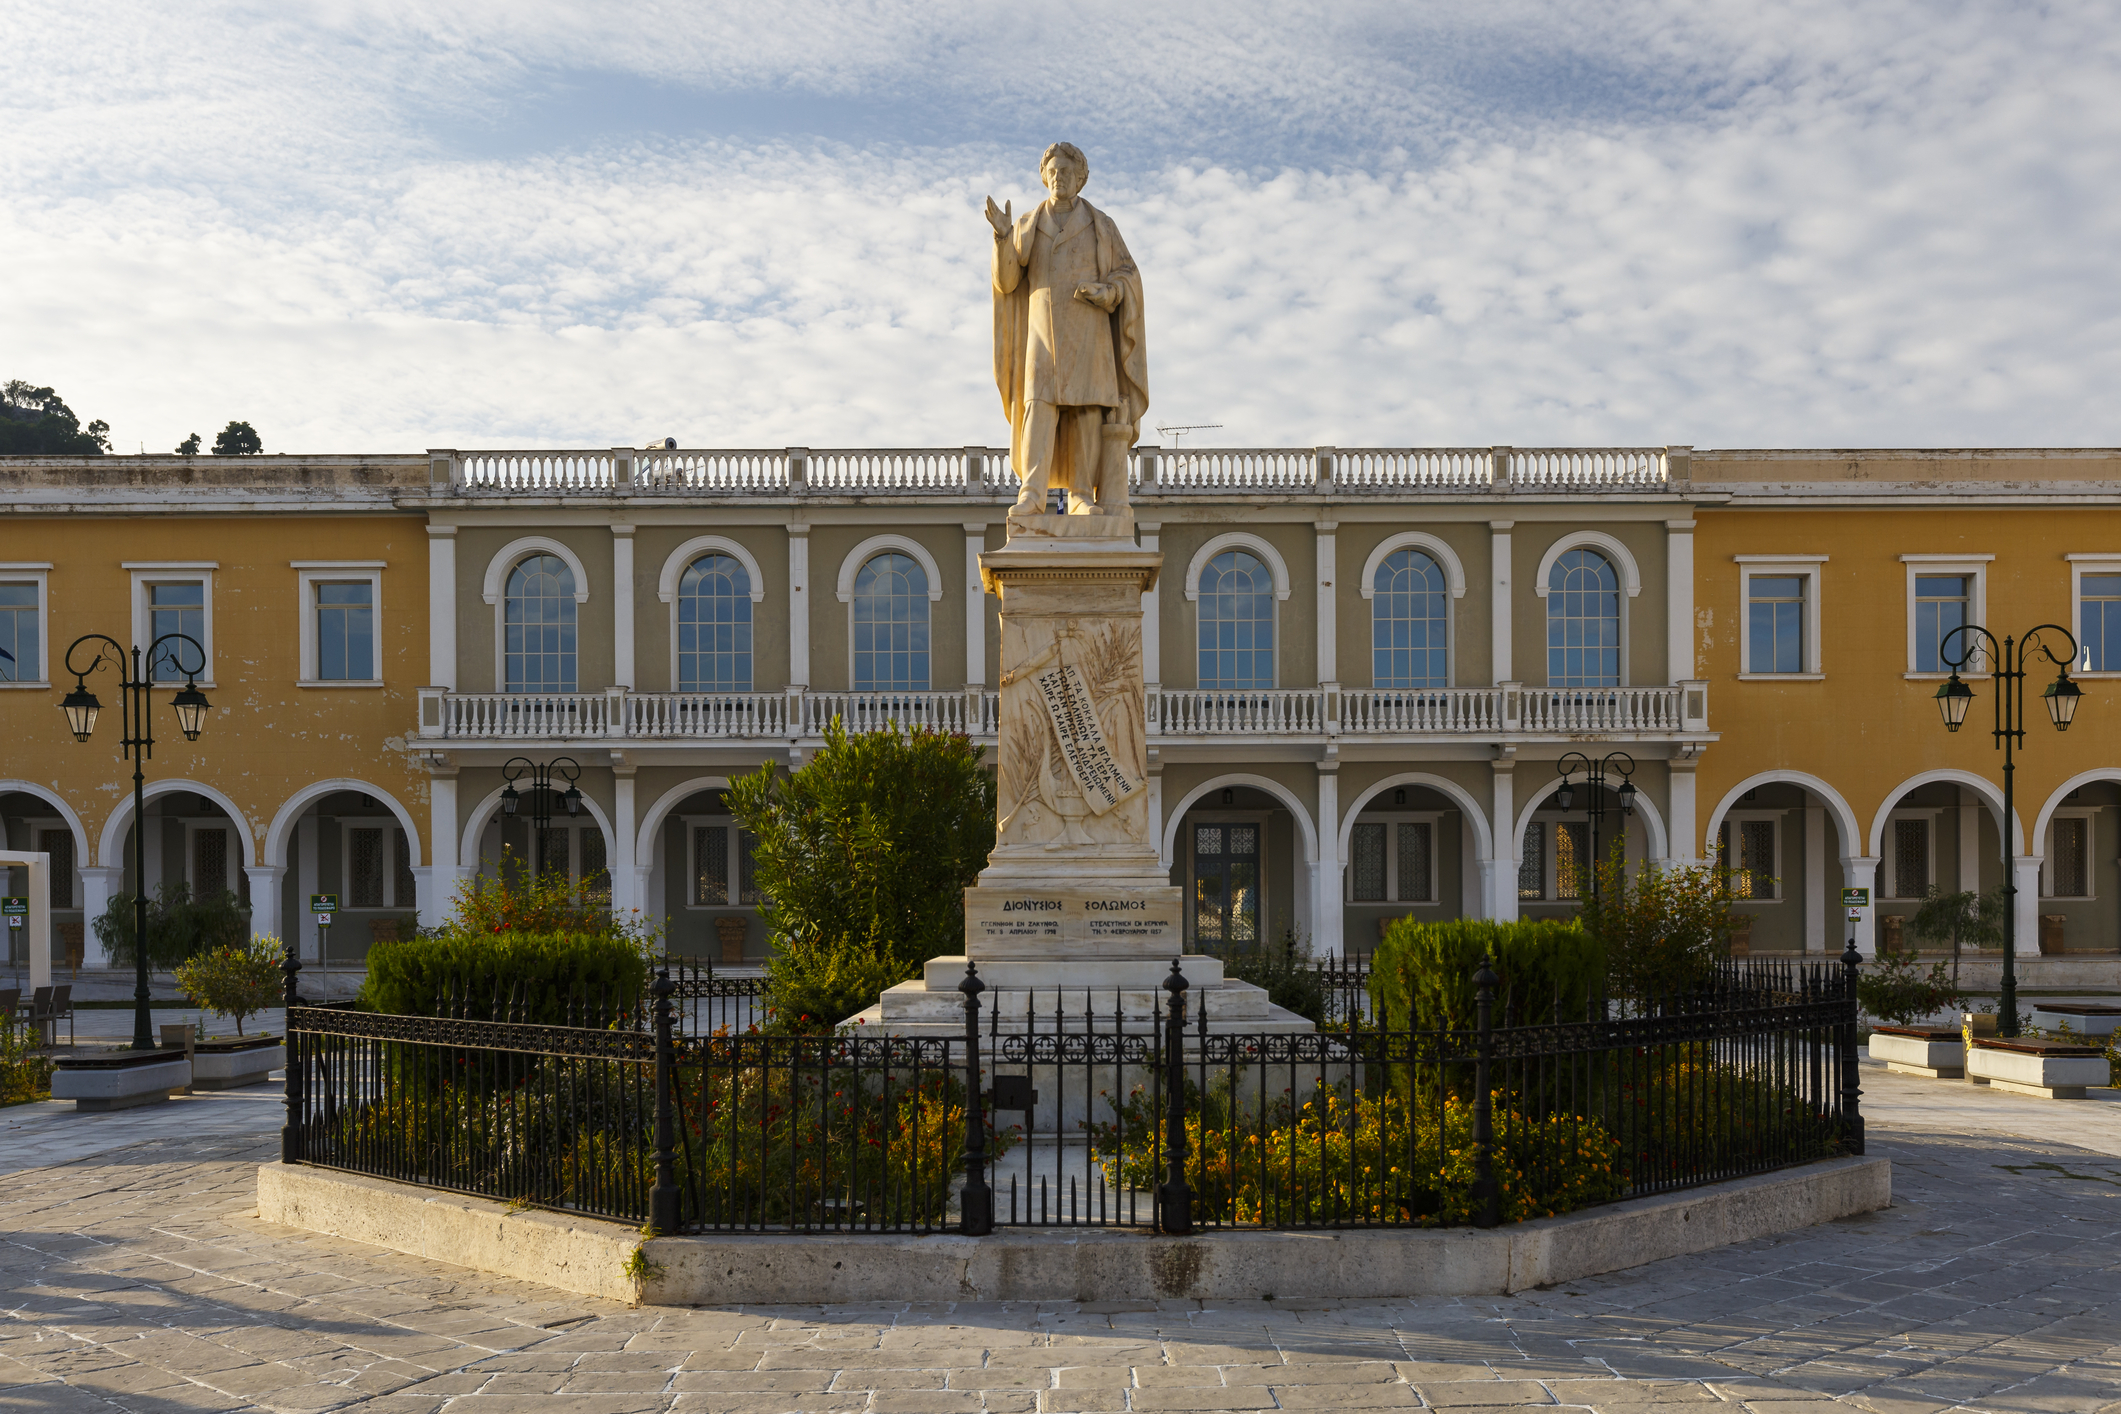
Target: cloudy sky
<point>393,225</point>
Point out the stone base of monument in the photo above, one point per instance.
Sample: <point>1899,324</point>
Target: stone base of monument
<point>1090,994</point>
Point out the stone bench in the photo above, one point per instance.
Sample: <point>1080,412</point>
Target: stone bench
<point>224,1065</point>
<point>1914,1050</point>
<point>120,1080</point>
<point>2084,1018</point>
<point>2043,1068</point>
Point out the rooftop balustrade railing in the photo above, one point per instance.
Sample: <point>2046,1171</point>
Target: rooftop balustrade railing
<point>1085,1109</point>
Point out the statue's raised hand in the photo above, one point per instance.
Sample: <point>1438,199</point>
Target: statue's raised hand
<point>999,217</point>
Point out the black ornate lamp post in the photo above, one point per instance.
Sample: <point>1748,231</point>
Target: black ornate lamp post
<point>542,790</point>
<point>2061,697</point>
<point>82,708</point>
<point>1622,765</point>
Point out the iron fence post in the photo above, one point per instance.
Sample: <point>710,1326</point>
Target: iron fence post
<point>297,1070</point>
<point>663,1201</point>
<point>976,1203</point>
<point>1174,1201</point>
<point>1487,1198</point>
<point>1851,1116</point>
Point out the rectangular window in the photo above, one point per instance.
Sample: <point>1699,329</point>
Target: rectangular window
<point>364,868</point>
<point>556,852</point>
<point>1226,885</point>
<point>59,844</point>
<point>1775,623</point>
<point>408,890</point>
<point>1572,853</point>
<point>2099,623</point>
<point>1911,858</point>
<point>2069,857</point>
<point>1532,873</point>
<point>21,660</point>
<point>710,864</point>
<point>1414,844</point>
<point>593,883</point>
<point>1941,604</point>
<point>747,874</point>
<point>1367,867</point>
<point>209,863</point>
<point>1749,861</point>
<point>177,608</point>
<point>346,632</point>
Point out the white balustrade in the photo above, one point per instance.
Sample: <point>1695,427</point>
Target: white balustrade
<point>1389,469</point>
<point>762,472</point>
<point>538,471</point>
<point>1588,468</point>
<point>744,715</point>
<point>875,711</point>
<point>1286,712</point>
<point>1462,709</point>
<point>527,714</point>
<point>1236,469</point>
<point>1601,709</point>
<point>913,471</point>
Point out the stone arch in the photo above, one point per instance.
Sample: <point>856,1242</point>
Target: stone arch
<point>1272,787</point>
<point>1844,817</point>
<point>66,812</point>
<point>1990,796</point>
<point>282,829</point>
<point>482,815</point>
<point>1257,546</point>
<point>110,848</point>
<point>1483,835</point>
<point>1653,832</point>
<point>652,819</point>
<point>2047,808</point>
<point>876,545</point>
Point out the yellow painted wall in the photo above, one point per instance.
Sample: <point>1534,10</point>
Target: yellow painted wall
<point>266,737</point>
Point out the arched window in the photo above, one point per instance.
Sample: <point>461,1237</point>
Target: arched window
<point>539,624</point>
<point>714,626</point>
<point>1410,623</point>
<point>1583,621</point>
<point>891,625</point>
<point>1236,624</point>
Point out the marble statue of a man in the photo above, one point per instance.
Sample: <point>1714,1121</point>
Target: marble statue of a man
<point>1069,356</point>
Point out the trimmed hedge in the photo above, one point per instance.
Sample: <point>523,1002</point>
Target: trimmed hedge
<point>1549,970</point>
<point>540,978</point>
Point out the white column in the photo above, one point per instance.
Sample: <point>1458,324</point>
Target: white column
<point>622,589</point>
<point>1501,871</point>
<point>1859,871</point>
<point>1815,878</point>
<point>99,883</point>
<point>2025,873</point>
<point>975,606</point>
<point>1152,615</point>
<point>441,607</point>
<point>1328,935</point>
<point>306,883</point>
<point>1156,812</point>
<point>1328,638</point>
<point>1969,842</point>
<point>799,606</point>
<point>265,898</point>
<point>37,869</point>
<point>1499,604</point>
<point>1472,871</point>
<point>624,822</point>
<point>443,829</point>
<point>1679,601</point>
<point>1683,826</point>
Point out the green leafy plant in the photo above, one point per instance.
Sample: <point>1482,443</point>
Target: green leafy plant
<point>37,422</point>
<point>236,980</point>
<point>1661,929</point>
<point>1895,990</point>
<point>864,855</point>
<point>238,439</point>
<point>23,1077</point>
<point>1284,970</point>
<point>178,926</point>
<point>1959,919</point>
<point>539,978</point>
<point>1422,973</point>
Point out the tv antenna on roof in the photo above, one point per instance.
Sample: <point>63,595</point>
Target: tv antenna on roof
<point>1174,433</point>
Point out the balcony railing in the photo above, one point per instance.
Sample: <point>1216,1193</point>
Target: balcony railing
<point>1508,710</point>
<point>983,473</point>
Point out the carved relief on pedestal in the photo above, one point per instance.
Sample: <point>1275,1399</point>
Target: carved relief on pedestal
<point>1073,757</point>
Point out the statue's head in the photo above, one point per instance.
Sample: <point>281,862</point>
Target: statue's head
<point>1064,170</point>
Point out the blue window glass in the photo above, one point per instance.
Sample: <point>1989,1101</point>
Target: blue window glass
<point>714,626</point>
<point>18,633</point>
<point>891,625</point>
<point>177,608</point>
<point>1236,624</point>
<point>2099,624</point>
<point>1583,621</point>
<point>1410,623</point>
<point>1775,624</point>
<point>1940,606</point>
<point>346,632</point>
<point>539,626</point>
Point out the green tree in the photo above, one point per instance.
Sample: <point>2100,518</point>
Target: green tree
<point>37,422</point>
<point>863,856</point>
<point>238,439</point>
<point>1663,929</point>
<point>178,926</point>
<point>189,447</point>
<point>1959,919</point>
<point>236,980</point>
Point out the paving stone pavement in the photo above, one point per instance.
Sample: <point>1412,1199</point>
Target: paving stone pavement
<point>140,1280</point>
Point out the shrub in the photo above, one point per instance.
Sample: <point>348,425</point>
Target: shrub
<point>1549,970</point>
<point>23,1077</point>
<point>863,856</point>
<point>236,981</point>
<point>178,926</point>
<point>549,979</point>
<point>1662,930</point>
<point>1896,990</point>
<point>1284,970</point>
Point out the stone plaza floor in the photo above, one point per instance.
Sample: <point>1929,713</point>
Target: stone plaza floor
<point>134,1276</point>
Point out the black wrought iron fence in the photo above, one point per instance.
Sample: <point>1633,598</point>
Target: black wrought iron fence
<point>1127,1110</point>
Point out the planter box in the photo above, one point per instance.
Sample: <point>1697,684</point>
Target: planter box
<point>2086,1018</point>
<point>2050,1071</point>
<point>1936,1055</point>
<point>224,1065</point>
<point>121,1080</point>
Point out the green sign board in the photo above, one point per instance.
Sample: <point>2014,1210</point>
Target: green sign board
<point>13,904</point>
<point>323,903</point>
<point>1855,898</point>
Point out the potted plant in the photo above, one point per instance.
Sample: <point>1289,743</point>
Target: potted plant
<point>238,981</point>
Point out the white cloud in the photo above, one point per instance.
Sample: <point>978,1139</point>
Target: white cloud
<point>1798,226</point>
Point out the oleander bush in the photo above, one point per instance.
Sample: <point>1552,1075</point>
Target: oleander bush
<point>235,980</point>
